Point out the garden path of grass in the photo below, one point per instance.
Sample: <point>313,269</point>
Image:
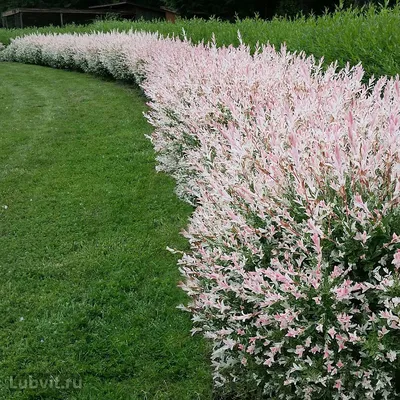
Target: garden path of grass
<point>87,288</point>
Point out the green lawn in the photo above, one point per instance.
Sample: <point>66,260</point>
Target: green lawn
<point>88,291</point>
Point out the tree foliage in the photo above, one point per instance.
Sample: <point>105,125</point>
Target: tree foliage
<point>10,4</point>
<point>229,9</point>
<point>226,8</point>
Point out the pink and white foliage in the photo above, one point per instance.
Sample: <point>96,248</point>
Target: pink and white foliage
<point>120,55</point>
<point>291,210</point>
<point>304,166</point>
<point>295,255</point>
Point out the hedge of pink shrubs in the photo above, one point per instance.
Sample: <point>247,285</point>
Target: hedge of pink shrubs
<point>293,272</point>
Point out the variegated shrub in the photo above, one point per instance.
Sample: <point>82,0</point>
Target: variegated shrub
<point>293,272</point>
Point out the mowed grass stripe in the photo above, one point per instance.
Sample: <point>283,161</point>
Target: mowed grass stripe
<point>87,286</point>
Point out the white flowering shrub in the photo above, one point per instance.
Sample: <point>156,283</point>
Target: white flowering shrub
<point>2,47</point>
<point>293,272</point>
<point>295,254</point>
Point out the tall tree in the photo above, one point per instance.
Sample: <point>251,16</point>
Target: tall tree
<point>264,8</point>
<point>224,8</point>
